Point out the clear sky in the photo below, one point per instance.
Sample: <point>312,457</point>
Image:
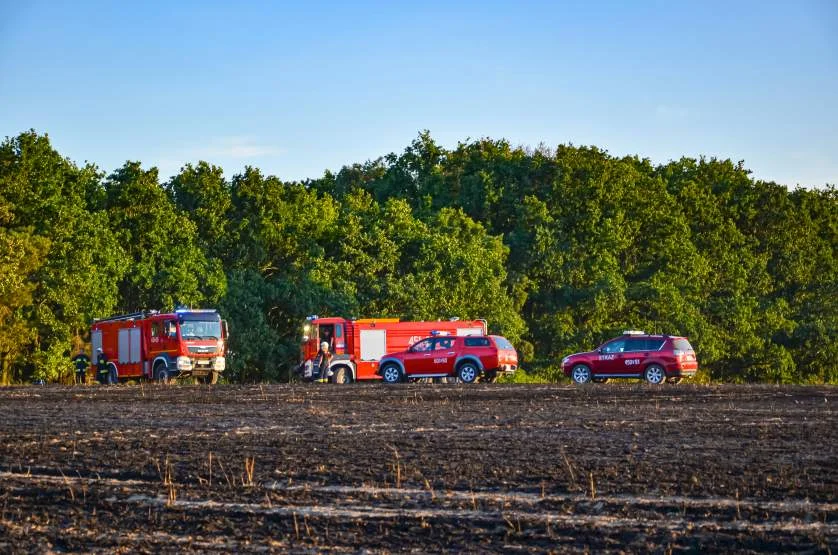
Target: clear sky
<point>298,88</point>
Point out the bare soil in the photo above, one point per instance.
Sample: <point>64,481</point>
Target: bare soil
<point>424,468</point>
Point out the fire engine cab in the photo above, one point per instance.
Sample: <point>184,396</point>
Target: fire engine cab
<point>153,345</point>
<point>358,345</point>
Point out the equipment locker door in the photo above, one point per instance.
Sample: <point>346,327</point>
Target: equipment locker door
<point>373,344</point>
<point>96,340</point>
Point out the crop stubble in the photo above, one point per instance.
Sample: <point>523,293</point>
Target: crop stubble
<point>427,468</point>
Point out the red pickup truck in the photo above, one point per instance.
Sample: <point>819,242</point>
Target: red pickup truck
<point>469,358</point>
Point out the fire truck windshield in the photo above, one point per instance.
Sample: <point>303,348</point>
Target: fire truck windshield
<point>200,329</point>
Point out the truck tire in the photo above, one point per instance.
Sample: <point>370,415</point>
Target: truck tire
<point>161,373</point>
<point>113,375</point>
<point>342,375</point>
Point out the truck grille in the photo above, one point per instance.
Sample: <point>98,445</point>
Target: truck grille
<point>202,350</point>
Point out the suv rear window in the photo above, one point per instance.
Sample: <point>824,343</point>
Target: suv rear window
<point>477,341</point>
<point>682,344</point>
<point>654,344</point>
<point>502,343</point>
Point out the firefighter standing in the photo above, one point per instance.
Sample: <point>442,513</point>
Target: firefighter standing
<point>101,366</point>
<point>322,360</point>
<point>81,361</point>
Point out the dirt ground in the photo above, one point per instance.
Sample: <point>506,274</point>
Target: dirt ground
<point>480,468</point>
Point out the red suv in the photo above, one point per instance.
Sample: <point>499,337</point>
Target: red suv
<point>466,357</point>
<point>655,358</point>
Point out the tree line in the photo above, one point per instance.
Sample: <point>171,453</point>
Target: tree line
<point>559,249</point>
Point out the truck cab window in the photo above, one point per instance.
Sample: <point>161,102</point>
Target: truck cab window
<point>327,332</point>
<point>444,344</point>
<point>422,346</point>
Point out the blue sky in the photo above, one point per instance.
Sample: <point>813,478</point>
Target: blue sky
<point>298,88</point>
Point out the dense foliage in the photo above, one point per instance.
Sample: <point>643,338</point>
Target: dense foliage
<point>558,249</point>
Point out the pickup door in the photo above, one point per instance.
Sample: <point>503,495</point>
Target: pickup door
<point>430,356</point>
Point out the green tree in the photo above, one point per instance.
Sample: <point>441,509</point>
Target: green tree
<point>168,266</point>
<point>46,198</point>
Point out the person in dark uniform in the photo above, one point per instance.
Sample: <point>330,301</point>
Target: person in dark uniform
<point>101,366</point>
<point>81,361</point>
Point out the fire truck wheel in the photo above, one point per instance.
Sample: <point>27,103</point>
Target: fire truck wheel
<point>468,372</point>
<point>113,377</point>
<point>391,373</point>
<point>342,375</point>
<point>161,373</point>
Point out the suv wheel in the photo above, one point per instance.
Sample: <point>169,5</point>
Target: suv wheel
<point>467,372</point>
<point>654,374</point>
<point>581,373</point>
<point>391,373</point>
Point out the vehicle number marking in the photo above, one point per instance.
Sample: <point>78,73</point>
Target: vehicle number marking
<point>632,361</point>
<point>440,360</point>
<point>607,357</point>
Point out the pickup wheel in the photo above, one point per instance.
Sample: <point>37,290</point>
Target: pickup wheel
<point>654,374</point>
<point>581,374</point>
<point>468,372</point>
<point>391,373</point>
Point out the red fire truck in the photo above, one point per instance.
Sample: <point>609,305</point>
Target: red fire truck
<point>153,345</point>
<point>358,345</point>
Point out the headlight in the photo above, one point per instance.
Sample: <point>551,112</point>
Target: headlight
<point>184,363</point>
<point>218,364</point>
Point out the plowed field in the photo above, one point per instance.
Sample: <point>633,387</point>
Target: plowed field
<point>481,468</point>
